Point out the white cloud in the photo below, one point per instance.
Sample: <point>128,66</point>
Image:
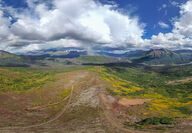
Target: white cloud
<point>163,25</point>
<point>184,24</point>
<point>87,24</point>
<point>48,45</point>
<point>168,40</point>
<point>85,21</point>
<point>4,23</point>
<point>180,37</point>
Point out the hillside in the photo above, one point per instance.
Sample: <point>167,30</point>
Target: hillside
<point>155,53</point>
<point>155,56</point>
<point>96,59</point>
<point>117,99</point>
<point>164,57</point>
<point>62,101</point>
<point>63,57</point>
<point>68,52</point>
<point>166,96</point>
<point>9,59</point>
<point>4,54</point>
<point>129,54</point>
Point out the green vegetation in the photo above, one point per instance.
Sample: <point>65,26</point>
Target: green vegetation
<point>13,61</point>
<point>112,92</point>
<point>156,121</point>
<point>24,78</point>
<point>156,81</point>
<point>163,56</point>
<point>168,101</point>
<point>95,59</point>
<point>167,59</point>
<point>185,110</point>
<point>160,123</point>
<point>8,59</point>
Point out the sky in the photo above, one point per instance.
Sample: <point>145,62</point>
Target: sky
<point>30,25</point>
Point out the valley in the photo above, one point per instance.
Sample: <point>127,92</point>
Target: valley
<point>95,66</point>
<point>95,93</point>
<point>95,99</point>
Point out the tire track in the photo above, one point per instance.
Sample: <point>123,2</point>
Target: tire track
<point>47,122</point>
<point>43,107</point>
<point>46,106</point>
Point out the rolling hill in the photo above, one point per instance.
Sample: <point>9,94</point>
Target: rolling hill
<point>68,52</point>
<point>164,57</point>
<point>130,54</point>
<point>155,56</point>
<point>96,59</point>
<point>9,59</point>
<point>79,56</point>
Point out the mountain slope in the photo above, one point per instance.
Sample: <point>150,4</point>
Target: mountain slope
<point>96,59</point>
<point>69,52</point>
<point>164,56</point>
<point>130,54</point>
<point>9,59</point>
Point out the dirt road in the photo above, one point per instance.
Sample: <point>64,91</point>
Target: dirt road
<point>84,112</point>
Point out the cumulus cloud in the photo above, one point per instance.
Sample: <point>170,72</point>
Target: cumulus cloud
<point>184,24</point>
<point>180,37</point>
<point>163,25</point>
<point>49,45</point>
<point>170,40</point>
<point>4,23</point>
<point>84,21</point>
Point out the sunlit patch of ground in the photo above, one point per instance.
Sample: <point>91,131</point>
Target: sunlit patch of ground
<point>176,82</point>
<point>137,107</point>
<point>130,102</point>
<point>96,104</point>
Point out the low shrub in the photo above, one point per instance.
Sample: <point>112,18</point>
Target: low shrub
<point>156,121</point>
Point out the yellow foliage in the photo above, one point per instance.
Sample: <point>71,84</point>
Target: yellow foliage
<point>159,105</point>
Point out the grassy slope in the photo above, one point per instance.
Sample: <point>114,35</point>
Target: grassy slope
<point>23,88</point>
<point>22,79</point>
<point>168,100</point>
<point>167,59</point>
<point>95,59</point>
<point>8,59</point>
<point>25,78</point>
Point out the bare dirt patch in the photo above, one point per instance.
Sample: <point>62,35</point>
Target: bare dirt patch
<point>82,113</point>
<point>114,117</point>
<point>90,110</point>
<point>130,102</point>
<point>51,97</point>
<point>176,82</point>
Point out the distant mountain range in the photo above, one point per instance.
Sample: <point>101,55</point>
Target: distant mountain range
<point>69,52</point>
<point>151,57</point>
<point>156,56</point>
<point>130,54</point>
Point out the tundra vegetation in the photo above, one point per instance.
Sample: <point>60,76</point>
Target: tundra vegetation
<point>170,102</point>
